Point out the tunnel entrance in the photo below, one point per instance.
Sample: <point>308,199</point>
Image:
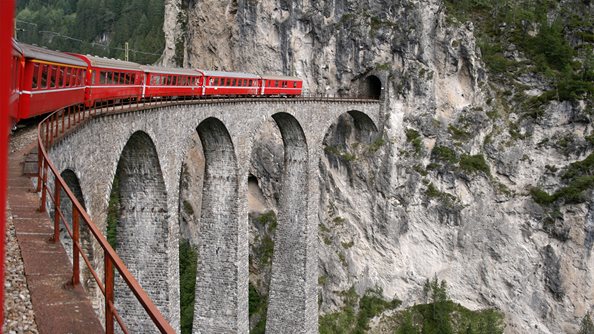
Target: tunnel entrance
<point>371,87</point>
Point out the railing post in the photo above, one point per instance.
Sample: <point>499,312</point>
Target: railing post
<point>70,116</point>
<point>64,120</point>
<point>43,187</point>
<point>57,188</point>
<point>40,162</point>
<point>109,288</point>
<point>75,249</point>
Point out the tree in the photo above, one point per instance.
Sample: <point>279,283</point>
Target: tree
<point>587,326</point>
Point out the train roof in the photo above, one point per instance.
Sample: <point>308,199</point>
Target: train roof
<point>280,77</point>
<point>170,70</point>
<point>36,52</point>
<point>229,74</point>
<point>95,61</point>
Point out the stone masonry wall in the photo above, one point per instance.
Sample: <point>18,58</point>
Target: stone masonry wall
<point>93,153</point>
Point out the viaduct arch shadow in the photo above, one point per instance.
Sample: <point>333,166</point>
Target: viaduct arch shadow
<point>141,230</point>
<point>288,294</point>
<point>221,282</point>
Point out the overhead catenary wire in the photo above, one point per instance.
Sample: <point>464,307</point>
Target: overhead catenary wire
<point>105,46</point>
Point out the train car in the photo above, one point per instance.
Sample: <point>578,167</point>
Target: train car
<point>229,83</point>
<point>17,63</point>
<point>163,81</point>
<point>51,80</point>
<point>275,85</point>
<point>111,79</point>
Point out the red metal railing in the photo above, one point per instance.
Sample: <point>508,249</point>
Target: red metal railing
<point>49,130</point>
<point>63,121</point>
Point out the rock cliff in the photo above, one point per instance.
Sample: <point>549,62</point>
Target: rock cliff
<point>451,188</point>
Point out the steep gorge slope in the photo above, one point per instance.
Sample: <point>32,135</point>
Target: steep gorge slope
<point>471,181</point>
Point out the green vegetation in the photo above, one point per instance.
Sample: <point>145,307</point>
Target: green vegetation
<point>444,154</point>
<point>474,163</point>
<point>357,312</point>
<point>442,316</point>
<point>265,248</point>
<point>587,327</point>
<point>113,213</point>
<point>413,137</point>
<point>458,134</point>
<point>376,145</point>
<point>579,178</point>
<point>258,305</point>
<point>188,260</point>
<point>439,315</point>
<point>83,26</point>
<point>333,150</point>
<point>542,38</point>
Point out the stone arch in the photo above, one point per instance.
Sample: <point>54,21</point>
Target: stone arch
<point>142,233</point>
<point>289,294</point>
<point>221,279</point>
<point>371,87</point>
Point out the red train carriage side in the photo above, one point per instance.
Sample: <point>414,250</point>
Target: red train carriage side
<point>17,63</point>
<point>111,79</point>
<point>229,83</point>
<point>280,85</point>
<point>163,81</point>
<point>51,80</point>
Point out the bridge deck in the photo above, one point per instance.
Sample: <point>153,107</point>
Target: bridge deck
<point>58,307</point>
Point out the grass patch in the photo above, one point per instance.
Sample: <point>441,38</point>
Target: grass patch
<point>357,312</point>
<point>376,145</point>
<point>444,154</point>
<point>188,259</point>
<point>113,213</point>
<point>458,134</point>
<point>257,305</point>
<point>474,163</point>
<point>345,156</point>
<point>414,138</point>
<point>441,315</point>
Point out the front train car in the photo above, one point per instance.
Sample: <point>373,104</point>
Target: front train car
<point>51,80</point>
<point>17,63</point>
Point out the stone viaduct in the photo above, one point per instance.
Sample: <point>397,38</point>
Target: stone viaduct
<point>146,148</point>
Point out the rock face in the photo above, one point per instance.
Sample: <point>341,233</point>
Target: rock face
<point>400,210</point>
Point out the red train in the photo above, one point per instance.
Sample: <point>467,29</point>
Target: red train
<point>44,80</point>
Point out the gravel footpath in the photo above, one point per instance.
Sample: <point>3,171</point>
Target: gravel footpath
<point>18,310</point>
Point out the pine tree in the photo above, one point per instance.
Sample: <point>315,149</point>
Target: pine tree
<point>587,326</point>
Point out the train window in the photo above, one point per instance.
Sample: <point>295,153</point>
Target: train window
<point>74,77</point>
<point>132,78</point>
<point>76,74</point>
<point>53,76</point>
<point>66,76</point>
<point>102,77</point>
<point>43,76</point>
<point>250,83</point>
<point>276,83</point>
<point>232,82</point>
<point>35,75</point>
<point>294,84</point>
<point>61,76</point>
